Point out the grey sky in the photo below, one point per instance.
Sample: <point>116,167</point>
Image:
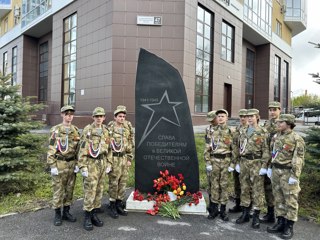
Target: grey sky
<point>306,58</point>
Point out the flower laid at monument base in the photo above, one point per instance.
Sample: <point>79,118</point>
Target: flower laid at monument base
<point>169,200</point>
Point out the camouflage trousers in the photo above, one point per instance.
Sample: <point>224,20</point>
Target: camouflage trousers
<point>236,184</point>
<point>251,184</point>
<point>118,178</point>
<point>94,183</point>
<point>285,195</point>
<point>63,184</point>
<point>268,191</point>
<point>219,180</point>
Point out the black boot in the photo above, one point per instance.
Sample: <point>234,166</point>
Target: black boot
<point>223,214</point>
<point>236,207</point>
<point>87,224</point>
<point>269,217</point>
<point>67,216</point>
<point>112,210</point>
<point>278,227</point>
<point>57,217</point>
<point>120,208</point>
<point>244,216</point>
<point>99,210</point>
<point>95,220</point>
<point>214,211</point>
<point>288,230</point>
<point>255,219</point>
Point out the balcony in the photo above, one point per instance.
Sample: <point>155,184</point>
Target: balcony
<point>296,16</point>
<point>5,7</point>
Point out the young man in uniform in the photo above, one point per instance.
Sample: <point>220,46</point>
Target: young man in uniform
<point>220,149</point>
<point>94,163</point>
<point>61,158</point>
<point>122,144</point>
<point>271,127</point>
<point>288,149</point>
<point>254,155</point>
<point>237,188</point>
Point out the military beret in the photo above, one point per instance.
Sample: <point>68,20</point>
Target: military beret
<point>98,111</point>
<point>211,115</point>
<point>67,108</point>
<point>252,111</point>
<point>242,112</point>
<point>274,105</point>
<point>222,111</point>
<point>288,118</point>
<point>120,109</point>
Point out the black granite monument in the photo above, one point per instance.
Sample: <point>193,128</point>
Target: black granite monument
<point>163,127</point>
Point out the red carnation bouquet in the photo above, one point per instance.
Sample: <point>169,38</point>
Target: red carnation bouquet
<point>164,205</point>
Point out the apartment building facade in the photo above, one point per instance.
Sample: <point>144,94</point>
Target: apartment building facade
<point>231,54</point>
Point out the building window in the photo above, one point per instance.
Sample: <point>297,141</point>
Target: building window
<point>4,63</point>
<point>43,71</point>
<point>249,79</point>
<point>32,9</point>
<point>284,87</point>
<point>203,81</point>
<point>14,66</point>
<point>227,42</point>
<point>69,59</point>
<point>277,78</point>
<point>278,28</point>
<point>259,14</point>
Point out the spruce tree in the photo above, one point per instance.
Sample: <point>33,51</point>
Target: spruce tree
<point>19,148</point>
<point>312,140</point>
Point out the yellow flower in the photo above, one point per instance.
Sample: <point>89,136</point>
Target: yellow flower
<point>179,190</point>
<point>184,187</point>
<point>181,193</point>
<point>175,192</point>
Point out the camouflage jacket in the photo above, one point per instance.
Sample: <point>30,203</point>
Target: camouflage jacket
<point>219,141</point>
<point>94,144</point>
<point>63,143</point>
<point>207,139</point>
<point>271,127</point>
<point>122,136</point>
<point>288,150</point>
<point>253,144</point>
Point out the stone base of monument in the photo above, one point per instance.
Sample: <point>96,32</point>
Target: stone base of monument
<point>143,206</point>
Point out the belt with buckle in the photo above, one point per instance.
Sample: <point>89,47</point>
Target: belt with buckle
<point>118,154</point>
<point>220,156</point>
<point>62,158</point>
<point>251,156</point>
<point>281,166</point>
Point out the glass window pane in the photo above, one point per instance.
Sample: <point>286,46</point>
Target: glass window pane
<point>200,28</point>
<point>207,18</point>
<point>200,14</point>
<point>207,31</point>
<point>199,42</point>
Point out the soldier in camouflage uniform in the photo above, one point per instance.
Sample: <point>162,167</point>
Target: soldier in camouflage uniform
<point>212,119</point>
<point>237,188</point>
<point>94,163</point>
<point>288,150</point>
<point>254,156</point>
<point>271,127</point>
<point>219,165</point>
<point>61,158</point>
<point>122,143</point>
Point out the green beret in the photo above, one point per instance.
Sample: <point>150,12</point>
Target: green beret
<point>120,109</point>
<point>252,111</point>
<point>288,118</point>
<point>243,112</point>
<point>274,105</point>
<point>98,111</point>
<point>67,108</point>
<point>211,115</point>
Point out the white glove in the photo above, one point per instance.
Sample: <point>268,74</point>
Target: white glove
<point>292,181</point>
<point>54,171</point>
<point>269,173</point>
<point>230,169</point>
<point>238,168</point>
<point>263,171</point>
<point>84,174</point>
<point>108,169</point>
<point>209,168</point>
<point>76,169</point>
